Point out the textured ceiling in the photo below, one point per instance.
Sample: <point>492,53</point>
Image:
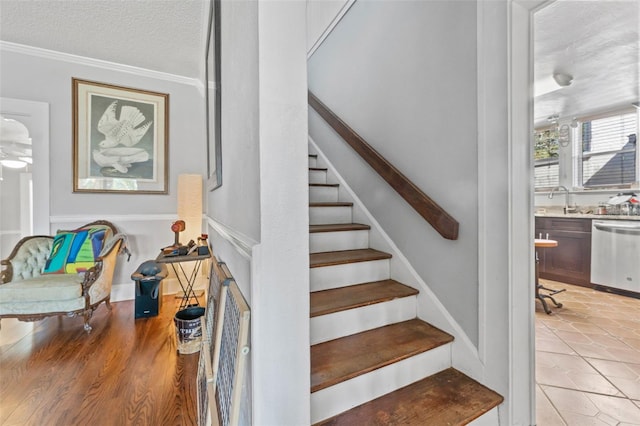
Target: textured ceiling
<point>597,42</point>
<point>160,35</point>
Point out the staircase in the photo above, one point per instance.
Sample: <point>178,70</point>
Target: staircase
<point>373,362</point>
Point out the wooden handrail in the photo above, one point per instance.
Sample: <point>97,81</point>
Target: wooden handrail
<point>441,221</point>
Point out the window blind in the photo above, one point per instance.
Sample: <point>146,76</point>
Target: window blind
<point>609,149</point>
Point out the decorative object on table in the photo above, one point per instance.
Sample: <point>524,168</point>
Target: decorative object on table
<point>177,227</point>
<point>148,278</point>
<point>120,139</point>
<point>203,245</point>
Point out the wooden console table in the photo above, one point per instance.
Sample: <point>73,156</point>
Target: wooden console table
<point>186,281</point>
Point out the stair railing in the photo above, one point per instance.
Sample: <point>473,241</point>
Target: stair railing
<point>437,217</point>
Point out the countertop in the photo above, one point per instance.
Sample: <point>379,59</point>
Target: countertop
<point>553,213</point>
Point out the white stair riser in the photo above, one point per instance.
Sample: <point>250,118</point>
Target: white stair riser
<point>317,176</point>
<point>490,418</point>
<point>313,162</point>
<point>352,321</point>
<point>327,215</point>
<point>323,194</point>
<point>339,240</point>
<point>326,277</point>
<point>336,399</point>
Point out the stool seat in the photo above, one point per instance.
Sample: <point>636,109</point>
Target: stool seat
<point>541,242</point>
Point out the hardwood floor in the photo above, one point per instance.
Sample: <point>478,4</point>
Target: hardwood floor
<point>126,372</point>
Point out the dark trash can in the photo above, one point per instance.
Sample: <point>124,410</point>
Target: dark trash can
<point>189,329</point>
<point>148,279</point>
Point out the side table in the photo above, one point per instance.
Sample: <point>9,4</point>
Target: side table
<point>186,281</point>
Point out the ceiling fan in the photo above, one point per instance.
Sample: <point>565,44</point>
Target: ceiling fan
<point>15,144</point>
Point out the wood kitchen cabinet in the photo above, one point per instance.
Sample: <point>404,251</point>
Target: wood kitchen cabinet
<point>570,262</point>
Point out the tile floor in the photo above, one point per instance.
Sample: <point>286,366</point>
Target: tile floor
<point>588,359</point>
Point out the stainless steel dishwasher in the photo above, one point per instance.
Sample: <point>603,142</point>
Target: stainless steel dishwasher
<point>615,254</point>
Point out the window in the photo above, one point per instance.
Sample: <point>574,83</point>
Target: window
<point>546,158</point>
<point>608,151</point>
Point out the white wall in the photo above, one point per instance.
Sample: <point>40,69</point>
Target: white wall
<point>258,218</point>
<point>322,15</point>
<point>403,75</point>
<point>46,77</point>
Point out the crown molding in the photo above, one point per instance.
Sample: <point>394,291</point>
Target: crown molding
<point>6,46</point>
<point>85,218</point>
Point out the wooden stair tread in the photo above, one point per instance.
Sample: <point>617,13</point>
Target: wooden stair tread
<point>337,227</point>
<point>332,204</point>
<point>446,398</point>
<point>325,185</point>
<point>342,359</point>
<point>330,258</point>
<point>340,299</point>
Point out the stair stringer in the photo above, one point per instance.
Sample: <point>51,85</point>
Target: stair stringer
<point>464,354</point>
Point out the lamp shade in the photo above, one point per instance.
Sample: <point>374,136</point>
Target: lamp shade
<point>190,205</point>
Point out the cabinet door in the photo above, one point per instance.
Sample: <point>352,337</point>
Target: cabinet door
<point>571,261</point>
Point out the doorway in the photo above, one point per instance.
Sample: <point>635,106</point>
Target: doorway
<point>24,194</point>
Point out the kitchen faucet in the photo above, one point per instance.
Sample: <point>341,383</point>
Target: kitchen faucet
<point>566,198</point>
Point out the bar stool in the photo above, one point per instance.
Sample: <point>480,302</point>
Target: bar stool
<point>543,243</point>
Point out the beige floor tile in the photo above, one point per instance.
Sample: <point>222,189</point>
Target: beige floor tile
<point>553,345</point>
<point>573,337</point>
<point>570,401</point>
<point>582,408</point>
<point>546,414</point>
<point>634,343</point>
<point>629,387</point>
<point>595,351</point>
<point>603,331</point>
<point>610,368</point>
<point>624,376</point>
<point>622,331</point>
<point>574,419</point>
<point>620,409</point>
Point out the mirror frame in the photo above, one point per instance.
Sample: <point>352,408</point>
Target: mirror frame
<point>213,99</point>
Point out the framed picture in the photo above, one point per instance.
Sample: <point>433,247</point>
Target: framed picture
<point>120,139</point>
<point>214,99</point>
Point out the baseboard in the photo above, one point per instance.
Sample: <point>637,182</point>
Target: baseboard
<point>127,291</point>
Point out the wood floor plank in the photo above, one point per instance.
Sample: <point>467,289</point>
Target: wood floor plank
<point>446,398</point>
<point>348,357</point>
<point>330,258</point>
<point>339,299</point>
<point>125,372</point>
<point>338,227</point>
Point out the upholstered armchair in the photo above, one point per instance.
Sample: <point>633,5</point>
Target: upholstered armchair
<point>45,275</point>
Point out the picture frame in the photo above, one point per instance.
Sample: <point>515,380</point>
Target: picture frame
<point>120,139</point>
<point>213,93</point>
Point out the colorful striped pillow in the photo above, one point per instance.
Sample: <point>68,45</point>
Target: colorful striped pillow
<point>75,251</point>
